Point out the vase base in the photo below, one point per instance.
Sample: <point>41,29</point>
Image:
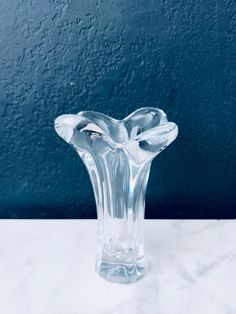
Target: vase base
<point>121,272</point>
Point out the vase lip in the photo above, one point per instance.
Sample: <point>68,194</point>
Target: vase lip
<point>146,131</point>
<point>160,111</point>
<point>129,116</point>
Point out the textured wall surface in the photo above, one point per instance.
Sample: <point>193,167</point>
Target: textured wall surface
<point>64,56</point>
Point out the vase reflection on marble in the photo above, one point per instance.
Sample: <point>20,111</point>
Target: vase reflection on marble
<point>118,156</point>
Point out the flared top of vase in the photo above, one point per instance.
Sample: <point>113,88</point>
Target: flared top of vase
<point>142,135</point>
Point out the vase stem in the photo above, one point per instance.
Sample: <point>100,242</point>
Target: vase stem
<point>120,255</point>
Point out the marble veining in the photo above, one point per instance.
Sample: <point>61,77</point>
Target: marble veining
<point>47,267</point>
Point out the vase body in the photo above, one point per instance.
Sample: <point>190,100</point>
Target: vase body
<point>118,156</point>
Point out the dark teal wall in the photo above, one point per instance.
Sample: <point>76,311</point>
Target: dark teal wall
<point>114,57</point>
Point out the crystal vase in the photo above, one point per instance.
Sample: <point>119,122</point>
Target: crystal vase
<point>118,156</point>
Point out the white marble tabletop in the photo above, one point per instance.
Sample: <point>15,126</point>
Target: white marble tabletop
<point>47,267</point>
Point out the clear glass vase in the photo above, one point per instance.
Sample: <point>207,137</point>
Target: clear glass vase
<point>118,156</point>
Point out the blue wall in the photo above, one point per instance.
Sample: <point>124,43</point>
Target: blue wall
<point>114,57</point>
